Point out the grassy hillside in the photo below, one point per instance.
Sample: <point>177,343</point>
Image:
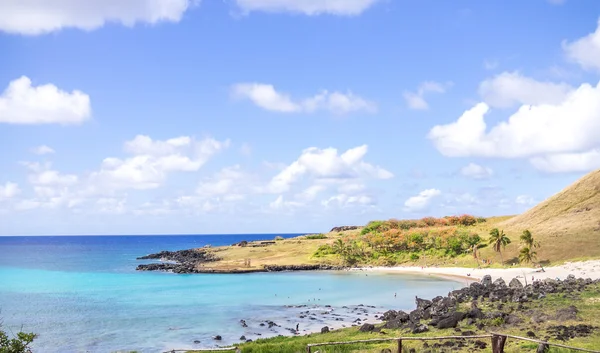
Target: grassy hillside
<point>567,224</point>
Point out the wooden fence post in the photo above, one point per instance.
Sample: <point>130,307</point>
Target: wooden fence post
<point>399,346</point>
<point>307,349</point>
<point>498,343</point>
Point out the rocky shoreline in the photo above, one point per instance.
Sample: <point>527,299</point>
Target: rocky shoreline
<point>191,261</point>
<point>477,309</point>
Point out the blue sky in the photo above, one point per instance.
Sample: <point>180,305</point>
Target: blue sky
<point>244,116</point>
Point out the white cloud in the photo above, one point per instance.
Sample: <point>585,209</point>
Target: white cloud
<point>511,88</point>
<point>268,98</point>
<point>22,103</point>
<point>111,205</point>
<point>417,100</point>
<point>327,164</point>
<point>41,150</point>
<point>585,51</point>
<point>311,192</point>
<point>343,200</point>
<point>308,7</point>
<point>281,204</point>
<point>421,201</point>
<point>568,162</point>
<point>44,175</point>
<point>34,17</point>
<point>9,190</point>
<point>153,160</point>
<point>229,184</point>
<point>475,171</point>
<point>570,126</point>
<point>525,200</point>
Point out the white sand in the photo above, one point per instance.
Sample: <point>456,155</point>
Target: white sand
<point>584,269</point>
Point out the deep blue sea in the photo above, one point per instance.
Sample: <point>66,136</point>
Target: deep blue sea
<point>82,294</point>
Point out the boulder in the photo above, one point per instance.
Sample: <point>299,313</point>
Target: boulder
<point>486,281</point>
<point>420,329</point>
<point>451,320</point>
<point>217,338</point>
<point>325,329</point>
<point>515,284</point>
<point>566,314</point>
<point>499,283</point>
<point>367,328</point>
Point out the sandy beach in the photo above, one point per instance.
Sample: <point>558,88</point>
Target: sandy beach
<point>583,269</point>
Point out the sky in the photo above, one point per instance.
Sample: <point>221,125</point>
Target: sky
<point>274,116</point>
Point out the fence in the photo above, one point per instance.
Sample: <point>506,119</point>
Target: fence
<point>498,341</point>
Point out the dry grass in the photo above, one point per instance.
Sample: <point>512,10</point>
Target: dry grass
<point>293,251</point>
<point>567,224</point>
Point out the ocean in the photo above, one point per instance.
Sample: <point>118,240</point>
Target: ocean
<point>83,294</point>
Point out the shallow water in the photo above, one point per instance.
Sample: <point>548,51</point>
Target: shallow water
<point>82,294</point>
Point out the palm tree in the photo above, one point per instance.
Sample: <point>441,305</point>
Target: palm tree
<point>499,241</point>
<point>527,255</point>
<point>339,247</point>
<point>528,241</point>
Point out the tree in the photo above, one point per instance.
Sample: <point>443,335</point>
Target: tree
<point>527,240</point>
<point>18,344</point>
<point>526,255</point>
<point>499,241</point>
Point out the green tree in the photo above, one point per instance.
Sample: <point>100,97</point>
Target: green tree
<point>527,240</point>
<point>18,344</point>
<point>499,241</point>
<point>526,255</point>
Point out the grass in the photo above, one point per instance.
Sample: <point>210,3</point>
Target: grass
<point>587,302</point>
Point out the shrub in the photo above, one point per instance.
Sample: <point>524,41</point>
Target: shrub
<point>481,220</point>
<point>467,220</point>
<point>316,236</point>
<point>324,250</point>
<point>279,237</point>
<point>414,257</point>
<point>18,344</point>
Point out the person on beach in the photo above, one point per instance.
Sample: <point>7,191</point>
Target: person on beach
<point>297,328</point>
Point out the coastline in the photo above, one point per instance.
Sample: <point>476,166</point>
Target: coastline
<point>581,269</point>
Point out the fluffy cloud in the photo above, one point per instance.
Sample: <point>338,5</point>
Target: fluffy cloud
<point>569,126</point>
<point>9,190</point>
<point>568,162</point>
<point>34,17</point>
<point>417,100</point>
<point>525,200</point>
<point>343,200</point>
<point>585,51</point>
<point>41,150</point>
<point>268,98</point>
<point>229,184</point>
<point>475,171</point>
<point>327,164</point>
<point>152,160</point>
<point>43,175</point>
<point>511,88</point>
<point>308,7</point>
<point>421,201</point>
<point>22,103</point>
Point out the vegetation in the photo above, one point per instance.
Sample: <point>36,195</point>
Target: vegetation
<point>279,237</point>
<point>18,344</point>
<point>316,236</point>
<point>499,241</point>
<point>527,255</point>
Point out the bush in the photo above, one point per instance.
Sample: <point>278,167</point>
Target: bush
<point>324,250</point>
<point>279,237</point>
<point>316,236</point>
<point>19,344</point>
<point>414,257</point>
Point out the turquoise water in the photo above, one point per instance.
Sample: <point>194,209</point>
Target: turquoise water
<point>82,294</point>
